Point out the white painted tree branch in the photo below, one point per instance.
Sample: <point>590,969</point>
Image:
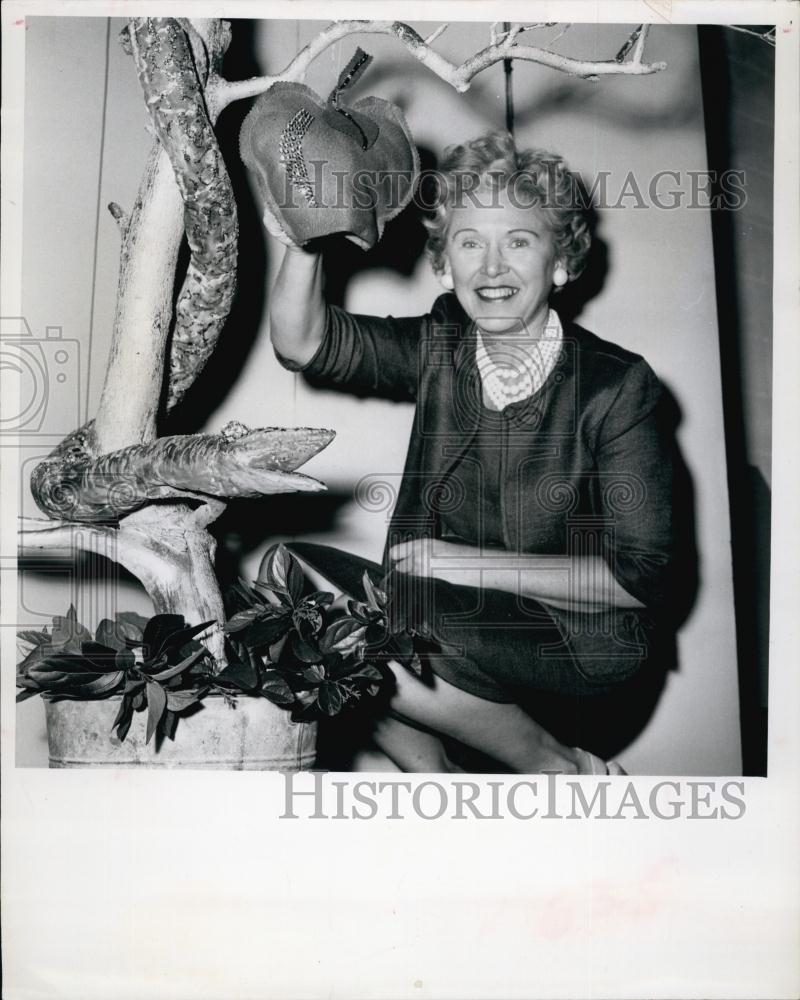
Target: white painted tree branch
<point>126,413</point>
<point>224,92</point>
<point>165,546</point>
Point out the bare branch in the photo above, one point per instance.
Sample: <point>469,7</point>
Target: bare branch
<point>564,29</point>
<point>765,36</point>
<point>42,534</point>
<point>120,216</point>
<point>458,76</point>
<point>437,33</point>
<point>632,39</point>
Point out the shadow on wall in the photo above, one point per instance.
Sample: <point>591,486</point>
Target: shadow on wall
<point>738,75</point>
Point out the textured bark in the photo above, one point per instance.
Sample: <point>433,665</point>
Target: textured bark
<point>172,86</point>
<point>70,485</point>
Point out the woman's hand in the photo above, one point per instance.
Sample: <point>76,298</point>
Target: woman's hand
<point>423,557</point>
<point>577,583</point>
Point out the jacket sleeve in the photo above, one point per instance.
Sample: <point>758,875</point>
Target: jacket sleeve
<point>635,459</point>
<point>366,355</point>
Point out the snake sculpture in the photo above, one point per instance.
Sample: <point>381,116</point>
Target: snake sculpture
<point>74,482</point>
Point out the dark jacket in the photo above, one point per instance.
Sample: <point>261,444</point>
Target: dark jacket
<point>586,460</point>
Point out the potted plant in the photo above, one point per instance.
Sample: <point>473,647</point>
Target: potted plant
<point>145,691</point>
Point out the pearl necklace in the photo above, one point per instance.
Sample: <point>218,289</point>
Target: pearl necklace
<point>528,367</point>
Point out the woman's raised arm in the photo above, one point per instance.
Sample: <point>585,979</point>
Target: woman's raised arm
<point>297,306</point>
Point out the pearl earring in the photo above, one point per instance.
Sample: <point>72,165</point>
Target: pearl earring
<point>447,280</point>
<point>560,276</point>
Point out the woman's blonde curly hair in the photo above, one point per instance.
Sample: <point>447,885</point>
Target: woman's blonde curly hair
<point>541,178</point>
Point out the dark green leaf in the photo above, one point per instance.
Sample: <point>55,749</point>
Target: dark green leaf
<point>240,673</point>
<point>366,671</point>
<point>305,711</point>
<point>329,698</point>
<point>68,635</point>
<point>66,663</point>
<point>29,693</point>
<point>242,619</point>
<point>360,611</point>
<point>94,688</point>
<point>402,645</point>
<point>72,663</point>
<point>49,678</point>
<point>178,701</point>
<point>376,598</point>
<point>124,706</point>
<point>414,664</point>
<point>296,580</point>
<point>183,637</point>
<point>32,636</point>
<point>99,657</point>
<point>37,655</point>
<point>179,668</point>
<point>275,688</point>
<point>243,595</point>
<point>157,632</point>
<point>265,633</point>
<point>282,573</point>
<point>108,633</point>
<point>342,636</point>
<point>321,598</point>
<point>306,650</point>
<point>27,682</point>
<point>156,705</point>
<point>307,620</point>
<point>125,659</point>
<point>129,626</point>
<point>169,723</point>
<point>133,619</point>
<point>314,674</point>
<point>122,723</point>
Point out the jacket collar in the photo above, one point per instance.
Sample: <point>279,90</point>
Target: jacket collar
<point>468,390</point>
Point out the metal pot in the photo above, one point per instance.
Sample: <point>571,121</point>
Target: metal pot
<point>251,735</point>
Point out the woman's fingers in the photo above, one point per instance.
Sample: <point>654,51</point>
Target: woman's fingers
<point>401,550</point>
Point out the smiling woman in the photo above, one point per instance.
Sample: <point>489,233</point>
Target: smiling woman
<point>531,541</point>
<point>510,238</point>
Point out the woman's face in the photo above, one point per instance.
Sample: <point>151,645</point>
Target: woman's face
<point>501,258</point>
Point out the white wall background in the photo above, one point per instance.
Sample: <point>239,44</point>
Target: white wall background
<point>658,298</point>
